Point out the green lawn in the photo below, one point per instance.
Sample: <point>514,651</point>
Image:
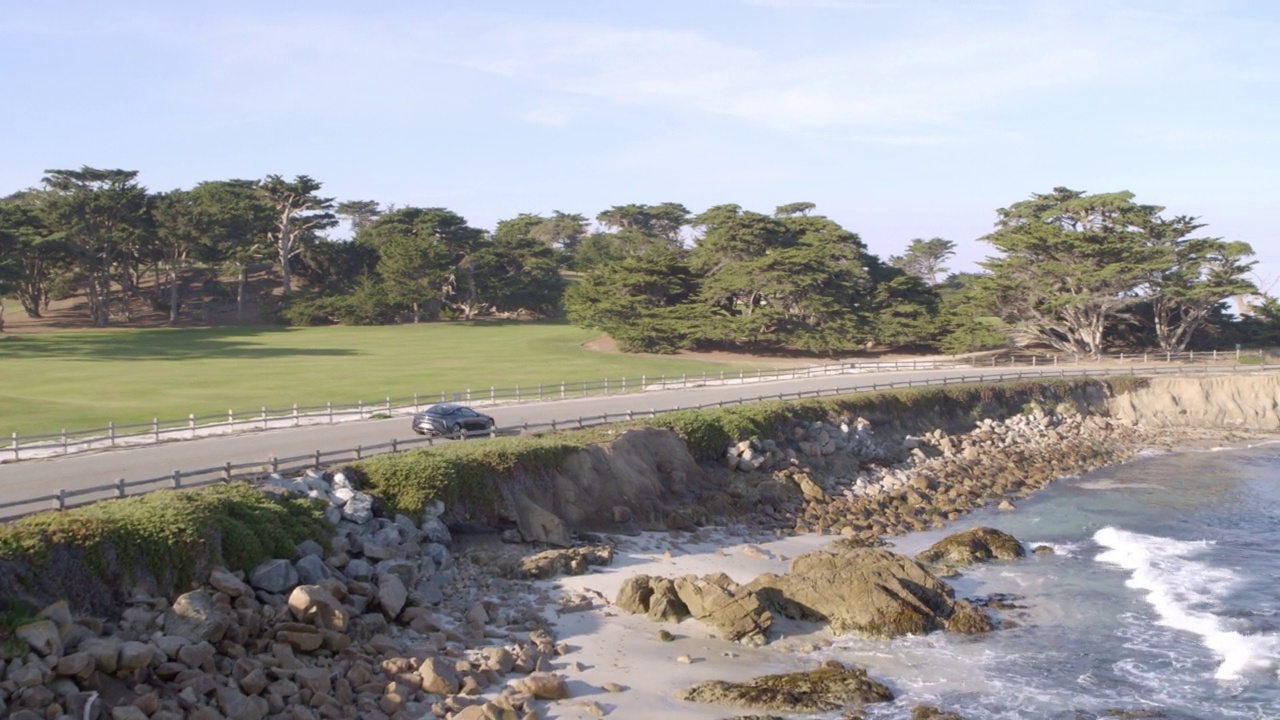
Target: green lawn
<point>80,380</point>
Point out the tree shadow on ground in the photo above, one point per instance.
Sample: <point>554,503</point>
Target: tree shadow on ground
<point>177,344</point>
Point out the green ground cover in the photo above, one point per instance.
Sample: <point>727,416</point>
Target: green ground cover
<point>84,379</point>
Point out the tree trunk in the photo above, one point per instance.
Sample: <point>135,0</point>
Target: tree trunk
<point>471,288</point>
<point>173,296</point>
<point>240,286</point>
<point>286,249</point>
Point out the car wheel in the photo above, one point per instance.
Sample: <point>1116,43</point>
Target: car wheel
<point>489,426</point>
<point>456,431</point>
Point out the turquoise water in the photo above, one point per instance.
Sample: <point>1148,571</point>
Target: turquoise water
<point>1163,594</point>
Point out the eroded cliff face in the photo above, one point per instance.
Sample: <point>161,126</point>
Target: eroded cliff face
<point>1251,403</point>
<point>633,483</point>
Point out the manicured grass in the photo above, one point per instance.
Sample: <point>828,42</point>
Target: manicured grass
<point>84,379</point>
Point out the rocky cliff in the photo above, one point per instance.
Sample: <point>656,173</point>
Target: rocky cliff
<point>1251,403</point>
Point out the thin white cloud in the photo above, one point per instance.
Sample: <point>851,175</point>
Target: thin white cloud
<point>927,80</point>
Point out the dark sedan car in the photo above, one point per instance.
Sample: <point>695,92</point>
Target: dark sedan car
<point>450,419</point>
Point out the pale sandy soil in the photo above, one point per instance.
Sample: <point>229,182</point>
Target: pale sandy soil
<point>611,646</point>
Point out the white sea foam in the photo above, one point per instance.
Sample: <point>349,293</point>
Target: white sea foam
<point>1109,484</point>
<point>1181,589</point>
<point>1064,549</point>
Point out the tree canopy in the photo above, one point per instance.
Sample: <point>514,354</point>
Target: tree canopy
<point>1075,271</point>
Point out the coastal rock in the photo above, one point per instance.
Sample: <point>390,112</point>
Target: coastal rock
<point>733,610</point>
<point>194,617</point>
<point>977,545</point>
<point>317,606</point>
<point>570,561</point>
<point>929,712</point>
<point>543,685</point>
<point>274,576</point>
<point>828,688</point>
<point>665,604</point>
<point>865,590</point>
<point>41,636</point>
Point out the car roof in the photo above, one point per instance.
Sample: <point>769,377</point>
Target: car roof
<point>445,408</point>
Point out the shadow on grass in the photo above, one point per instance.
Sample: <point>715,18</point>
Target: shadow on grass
<point>179,344</point>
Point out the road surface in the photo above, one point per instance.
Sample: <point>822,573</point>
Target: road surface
<point>20,481</point>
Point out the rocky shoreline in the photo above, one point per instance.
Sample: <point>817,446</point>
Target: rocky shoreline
<point>397,618</point>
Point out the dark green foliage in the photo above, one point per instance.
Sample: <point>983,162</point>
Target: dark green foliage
<point>168,534</point>
<point>462,474</point>
<point>308,309</point>
<point>1075,264</point>
<point>1125,384</point>
<point>520,268</point>
<point>637,300</point>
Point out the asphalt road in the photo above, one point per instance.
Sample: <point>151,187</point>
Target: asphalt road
<point>36,478</point>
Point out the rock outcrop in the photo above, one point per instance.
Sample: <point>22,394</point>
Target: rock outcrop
<point>733,610</point>
<point>976,545</point>
<point>830,687</point>
<point>871,591</point>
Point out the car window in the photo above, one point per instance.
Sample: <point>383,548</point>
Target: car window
<point>466,412</point>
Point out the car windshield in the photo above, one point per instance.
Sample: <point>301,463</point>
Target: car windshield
<point>443,409</point>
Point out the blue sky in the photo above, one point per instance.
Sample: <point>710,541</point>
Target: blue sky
<point>899,119</point>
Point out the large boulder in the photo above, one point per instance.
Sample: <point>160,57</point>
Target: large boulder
<point>569,561</point>
<point>733,610</point>
<point>274,576</point>
<point>195,617</point>
<point>865,590</point>
<point>830,687</point>
<point>315,605</point>
<point>977,545</point>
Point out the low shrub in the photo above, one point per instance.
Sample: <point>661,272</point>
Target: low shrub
<point>1125,384</point>
<point>458,473</point>
<point>170,534</point>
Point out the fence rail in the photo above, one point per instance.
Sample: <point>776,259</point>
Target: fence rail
<point>254,471</point>
<point>28,447</point>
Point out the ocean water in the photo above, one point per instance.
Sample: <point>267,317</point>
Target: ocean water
<point>1162,596</point>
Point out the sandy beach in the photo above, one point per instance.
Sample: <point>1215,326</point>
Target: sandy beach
<point>609,646</point>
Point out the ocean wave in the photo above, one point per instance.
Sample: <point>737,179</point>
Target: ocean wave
<point>1183,592</point>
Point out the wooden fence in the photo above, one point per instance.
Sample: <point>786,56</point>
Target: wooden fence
<point>255,471</point>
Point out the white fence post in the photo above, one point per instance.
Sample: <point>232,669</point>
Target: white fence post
<point>191,424</point>
<point>155,428</point>
<point>111,432</point>
<point>15,446</point>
